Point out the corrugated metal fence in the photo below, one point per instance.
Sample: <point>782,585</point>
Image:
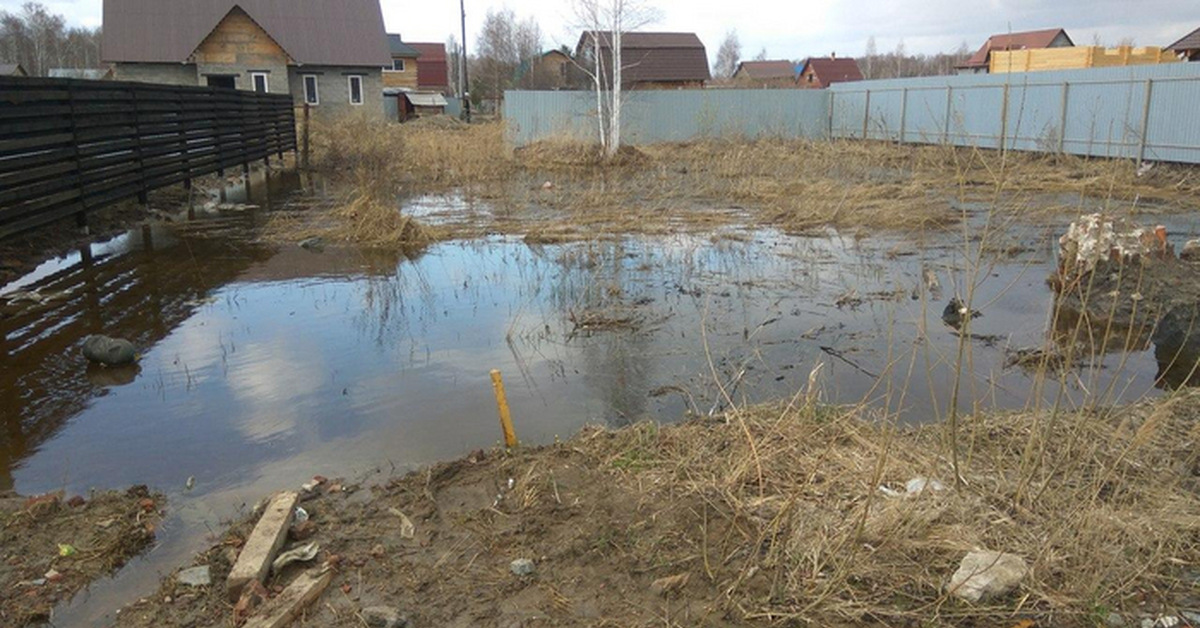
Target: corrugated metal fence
<point>671,116</point>
<point>1134,112</point>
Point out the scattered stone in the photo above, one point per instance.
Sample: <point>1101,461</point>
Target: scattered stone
<point>76,501</point>
<point>302,531</point>
<point>956,313</point>
<point>983,575</point>
<point>384,617</point>
<point>549,185</point>
<point>263,543</point>
<point>53,576</point>
<point>1191,251</point>
<point>1191,617</point>
<point>195,577</point>
<point>670,584</point>
<point>1114,620</point>
<point>109,351</point>
<point>522,567</point>
<point>378,551</point>
<point>315,243</point>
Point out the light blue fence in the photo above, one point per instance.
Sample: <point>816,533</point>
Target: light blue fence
<point>650,117</point>
<point>1141,112</point>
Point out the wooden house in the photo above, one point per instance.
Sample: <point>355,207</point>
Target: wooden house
<point>329,55</point>
<point>12,69</point>
<point>780,73</point>
<point>403,70</point>
<point>821,72</point>
<point>1187,48</point>
<point>980,62</point>
<point>650,60</point>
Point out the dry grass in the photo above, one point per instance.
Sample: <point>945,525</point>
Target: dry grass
<point>559,190</point>
<point>1104,507</point>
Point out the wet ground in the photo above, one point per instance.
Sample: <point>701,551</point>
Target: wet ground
<point>264,365</point>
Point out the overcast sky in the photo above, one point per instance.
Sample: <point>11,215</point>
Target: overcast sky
<point>794,29</point>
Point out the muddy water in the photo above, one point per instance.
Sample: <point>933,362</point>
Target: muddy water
<point>263,366</point>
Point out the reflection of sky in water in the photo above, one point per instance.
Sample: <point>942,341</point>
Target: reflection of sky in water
<point>338,363</point>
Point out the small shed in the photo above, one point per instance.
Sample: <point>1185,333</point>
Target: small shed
<point>404,104</point>
<point>12,69</point>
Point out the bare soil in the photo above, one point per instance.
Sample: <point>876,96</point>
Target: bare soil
<point>51,549</point>
<point>769,516</point>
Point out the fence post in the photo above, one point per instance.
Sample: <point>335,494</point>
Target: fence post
<point>1145,121</point>
<point>949,112</point>
<point>1062,125</point>
<point>866,114</point>
<point>829,122</point>
<point>1004,119</point>
<point>137,142</point>
<point>903,112</point>
<point>81,217</point>
<point>216,116</point>
<point>304,154</point>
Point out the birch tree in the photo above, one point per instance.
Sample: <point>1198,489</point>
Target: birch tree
<point>605,23</point>
<point>728,55</point>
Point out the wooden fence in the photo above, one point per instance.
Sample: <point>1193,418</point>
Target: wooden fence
<point>68,147</point>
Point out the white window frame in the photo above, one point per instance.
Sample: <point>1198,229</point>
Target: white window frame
<point>316,89</point>
<point>266,77</point>
<point>362,96</point>
<point>402,67</point>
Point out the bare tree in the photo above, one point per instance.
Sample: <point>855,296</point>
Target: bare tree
<point>728,55</point>
<point>869,56</point>
<point>453,65</point>
<point>39,40</point>
<point>761,56</point>
<point>504,44</point>
<point>605,23</point>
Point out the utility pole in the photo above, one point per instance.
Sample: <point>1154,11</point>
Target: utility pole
<point>462,70</point>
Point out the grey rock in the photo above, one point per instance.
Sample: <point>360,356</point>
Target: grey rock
<point>1192,617</point>
<point>313,244</point>
<point>1115,620</point>
<point>521,567</point>
<point>984,575</point>
<point>109,351</point>
<point>384,617</point>
<point>1191,250</point>
<point>195,577</point>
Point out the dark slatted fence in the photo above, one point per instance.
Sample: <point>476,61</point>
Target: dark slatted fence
<point>68,147</point>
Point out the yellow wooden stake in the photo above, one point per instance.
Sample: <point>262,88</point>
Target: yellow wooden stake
<point>510,436</point>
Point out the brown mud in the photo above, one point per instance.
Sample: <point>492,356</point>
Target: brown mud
<point>51,548</point>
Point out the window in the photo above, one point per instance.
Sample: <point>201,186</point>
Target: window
<point>224,82</point>
<point>260,82</point>
<point>311,95</point>
<point>397,65</point>
<point>356,90</point>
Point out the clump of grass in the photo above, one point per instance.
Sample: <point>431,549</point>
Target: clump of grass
<point>795,528</point>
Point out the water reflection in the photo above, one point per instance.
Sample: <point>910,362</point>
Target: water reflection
<point>263,366</point>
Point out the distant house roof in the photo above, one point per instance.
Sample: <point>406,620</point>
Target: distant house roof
<point>766,70</point>
<point>431,65</point>
<point>314,32</point>
<point>91,74</point>
<point>401,49</point>
<point>1014,41</point>
<point>12,69</point>
<point>1191,41</point>
<point>829,70</point>
<point>656,57</point>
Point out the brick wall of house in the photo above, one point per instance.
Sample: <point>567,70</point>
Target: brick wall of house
<point>165,73</point>
<point>334,89</point>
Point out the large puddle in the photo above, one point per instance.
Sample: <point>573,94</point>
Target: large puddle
<point>263,366</point>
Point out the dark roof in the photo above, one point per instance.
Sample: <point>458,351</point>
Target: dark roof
<point>11,69</point>
<point>1013,41</point>
<point>766,70</point>
<point>829,70</point>
<point>401,49</point>
<point>315,32</point>
<point>656,57</point>
<point>432,72</point>
<point>1191,41</point>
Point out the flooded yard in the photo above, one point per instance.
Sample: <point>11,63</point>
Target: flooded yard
<point>263,365</point>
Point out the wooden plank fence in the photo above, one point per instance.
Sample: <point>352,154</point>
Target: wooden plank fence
<point>68,147</point>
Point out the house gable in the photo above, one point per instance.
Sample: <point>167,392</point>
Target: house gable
<point>238,41</point>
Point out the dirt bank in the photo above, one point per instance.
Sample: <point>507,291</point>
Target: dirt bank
<point>51,549</point>
<point>793,514</point>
